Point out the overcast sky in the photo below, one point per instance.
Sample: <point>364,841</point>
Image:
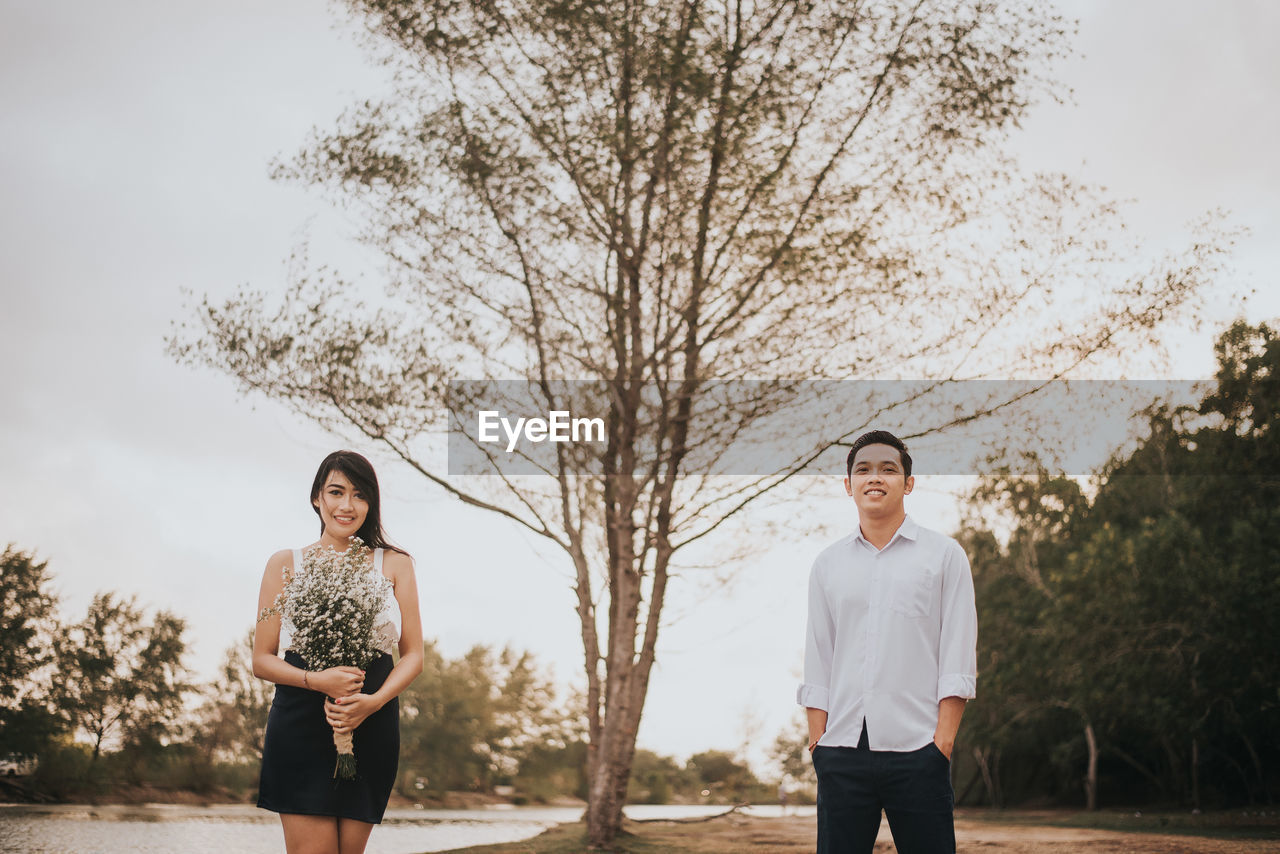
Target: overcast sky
<point>135,140</point>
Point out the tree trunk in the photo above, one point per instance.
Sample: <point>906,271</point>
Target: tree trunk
<point>1155,779</point>
<point>1091,775</point>
<point>980,756</point>
<point>1257,767</point>
<point>968,787</point>
<point>604,809</point>
<point>627,669</point>
<point>1244,777</point>
<point>995,779</point>
<point>1195,773</point>
<point>1174,770</point>
<point>607,785</point>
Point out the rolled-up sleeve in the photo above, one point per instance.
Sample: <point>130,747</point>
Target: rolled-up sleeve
<point>819,648</point>
<point>958,648</point>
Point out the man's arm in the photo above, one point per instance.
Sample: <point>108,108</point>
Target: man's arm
<point>817,725</point>
<point>949,711</point>
<point>819,648</point>
<point>958,662</point>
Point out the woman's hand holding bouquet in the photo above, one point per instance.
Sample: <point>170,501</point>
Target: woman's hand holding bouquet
<point>336,681</point>
<point>346,713</point>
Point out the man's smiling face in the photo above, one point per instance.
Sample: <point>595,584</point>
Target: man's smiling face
<point>877,482</point>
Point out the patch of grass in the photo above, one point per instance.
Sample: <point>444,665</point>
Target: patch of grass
<point>1251,823</point>
<point>566,839</point>
<point>723,835</point>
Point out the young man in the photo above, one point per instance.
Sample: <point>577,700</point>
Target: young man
<point>890,659</point>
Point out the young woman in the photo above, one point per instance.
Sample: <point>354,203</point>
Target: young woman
<point>322,815</point>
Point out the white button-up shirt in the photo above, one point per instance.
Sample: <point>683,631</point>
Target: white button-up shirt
<point>890,634</point>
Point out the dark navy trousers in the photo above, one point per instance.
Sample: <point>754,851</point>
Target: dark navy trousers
<point>913,789</point>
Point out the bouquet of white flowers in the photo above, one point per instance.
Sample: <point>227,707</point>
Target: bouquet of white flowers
<point>329,605</point>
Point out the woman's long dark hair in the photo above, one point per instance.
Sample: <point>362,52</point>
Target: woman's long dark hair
<point>360,472</point>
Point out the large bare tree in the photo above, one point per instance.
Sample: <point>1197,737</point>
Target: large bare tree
<point>695,206</point>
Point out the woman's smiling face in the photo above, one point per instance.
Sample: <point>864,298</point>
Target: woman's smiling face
<point>342,508</point>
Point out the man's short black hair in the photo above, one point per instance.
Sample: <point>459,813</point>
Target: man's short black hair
<point>879,437</point>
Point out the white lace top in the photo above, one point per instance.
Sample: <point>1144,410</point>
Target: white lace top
<point>386,626</point>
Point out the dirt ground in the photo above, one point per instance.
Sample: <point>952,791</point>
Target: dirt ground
<point>795,835</point>
<point>740,834</point>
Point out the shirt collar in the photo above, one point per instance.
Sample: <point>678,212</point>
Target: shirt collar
<point>908,530</point>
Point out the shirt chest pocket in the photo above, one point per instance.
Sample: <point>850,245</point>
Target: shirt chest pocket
<point>913,590</point>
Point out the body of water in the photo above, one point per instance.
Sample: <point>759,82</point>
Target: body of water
<point>162,828</point>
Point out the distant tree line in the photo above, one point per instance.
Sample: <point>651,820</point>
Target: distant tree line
<point>1128,641</point>
<point>715,776</point>
<point>107,701</point>
<point>91,700</point>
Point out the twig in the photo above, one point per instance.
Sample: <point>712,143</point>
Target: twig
<point>702,818</point>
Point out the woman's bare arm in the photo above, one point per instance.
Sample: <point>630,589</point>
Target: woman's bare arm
<point>335,682</point>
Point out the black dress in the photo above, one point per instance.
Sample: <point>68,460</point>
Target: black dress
<point>298,755</point>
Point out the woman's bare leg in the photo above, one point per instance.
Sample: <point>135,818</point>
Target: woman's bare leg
<point>310,834</point>
<point>353,835</point>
